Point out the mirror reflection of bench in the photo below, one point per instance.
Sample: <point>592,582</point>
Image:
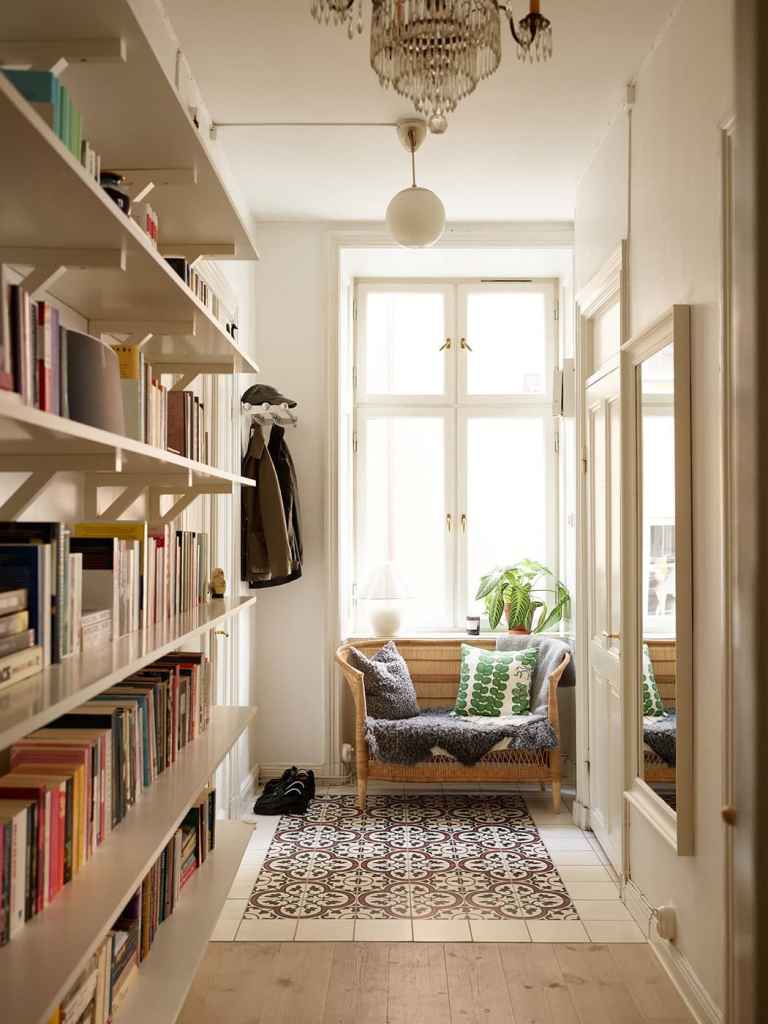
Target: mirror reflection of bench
<point>663,659</point>
<point>434,668</point>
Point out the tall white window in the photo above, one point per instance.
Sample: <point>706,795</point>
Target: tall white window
<point>455,439</point>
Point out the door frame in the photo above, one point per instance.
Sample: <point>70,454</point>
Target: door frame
<point>609,285</point>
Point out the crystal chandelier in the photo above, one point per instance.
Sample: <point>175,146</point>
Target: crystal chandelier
<point>434,52</point>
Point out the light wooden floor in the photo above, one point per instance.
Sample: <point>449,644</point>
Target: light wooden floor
<point>431,983</point>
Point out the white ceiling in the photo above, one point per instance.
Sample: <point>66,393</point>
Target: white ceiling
<point>514,150</point>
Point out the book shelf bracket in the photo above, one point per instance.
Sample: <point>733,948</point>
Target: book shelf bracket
<point>139,332</point>
<point>140,181</point>
<point>56,54</point>
<point>47,265</point>
<point>42,470</point>
<point>183,501</point>
<point>194,251</point>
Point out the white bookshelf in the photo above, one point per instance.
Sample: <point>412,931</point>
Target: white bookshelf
<point>45,958</point>
<point>157,993</point>
<point>61,688</point>
<point>141,114</point>
<point>51,211</point>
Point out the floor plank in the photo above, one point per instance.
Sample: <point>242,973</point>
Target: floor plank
<point>649,983</point>
<point>477,991</point>
<point>231,984</point>
<point>600,997</point>
<point>357,989</point>
<point>538,992</point>
<point>418,987</point>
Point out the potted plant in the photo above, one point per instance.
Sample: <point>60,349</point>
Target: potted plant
<point>527,594</point>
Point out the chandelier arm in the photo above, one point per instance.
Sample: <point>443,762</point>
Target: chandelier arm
<point>511,18</point>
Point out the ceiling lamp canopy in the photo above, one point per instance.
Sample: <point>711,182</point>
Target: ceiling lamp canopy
<point>434,52</point>
<point>415,216</point>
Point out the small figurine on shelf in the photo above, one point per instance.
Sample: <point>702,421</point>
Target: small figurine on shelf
<point>218,583</point>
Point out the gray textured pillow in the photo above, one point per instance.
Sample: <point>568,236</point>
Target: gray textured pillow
<point>389,690</point>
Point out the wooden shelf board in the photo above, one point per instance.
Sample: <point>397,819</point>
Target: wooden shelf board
<point>55,435</point>
<point>41,963</point>
<point>48,201</point>
<point>34,702</point>
<point>157,993</point>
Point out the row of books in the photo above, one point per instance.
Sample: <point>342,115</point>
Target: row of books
<point>96,996</point>
<point>33,349</point>
<point>198,285</point>
<point>173,420</point>
<point>73,782</point>
<point>69,589</point>
<point>45,93</point>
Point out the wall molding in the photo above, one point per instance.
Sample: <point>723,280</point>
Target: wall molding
<point>674,962</point>
<point>325,774</point>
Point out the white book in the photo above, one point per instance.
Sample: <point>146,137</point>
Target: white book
<point>16,813</point>
<point>100,589</point>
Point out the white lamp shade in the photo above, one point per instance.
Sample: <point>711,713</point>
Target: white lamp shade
<point>383,585</point>
<point>416,217</point>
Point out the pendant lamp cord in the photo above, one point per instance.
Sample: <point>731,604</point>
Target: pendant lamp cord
<point>412,140</point>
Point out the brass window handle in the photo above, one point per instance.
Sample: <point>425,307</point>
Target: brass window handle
<point>463,521</point>
<point>611,636</point>
<point>221,632</point>
<point>445,346</point>
<point>449,521</point>
<point>465,345</point>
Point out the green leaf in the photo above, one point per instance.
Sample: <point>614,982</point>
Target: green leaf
<point>494,606</point>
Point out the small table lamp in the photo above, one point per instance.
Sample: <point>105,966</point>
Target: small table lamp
<point>384,590</point>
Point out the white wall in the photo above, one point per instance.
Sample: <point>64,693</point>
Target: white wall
<point>289,652</point>
<point>684,92</point>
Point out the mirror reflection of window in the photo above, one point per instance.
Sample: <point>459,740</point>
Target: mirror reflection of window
<point>658,596</point>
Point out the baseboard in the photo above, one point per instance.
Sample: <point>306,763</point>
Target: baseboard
<point>580,813</point>
<point>677,966</point>
<point>325,775</point>
<point>249,784</point>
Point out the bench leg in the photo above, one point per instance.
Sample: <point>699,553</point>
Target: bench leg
<point>556,796</point>
<point>362,792</point>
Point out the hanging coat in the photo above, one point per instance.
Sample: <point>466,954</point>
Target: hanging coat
<point>271,549</point>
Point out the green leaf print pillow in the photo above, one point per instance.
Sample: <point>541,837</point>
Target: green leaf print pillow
<point>495,683</point>
<point>653,705</point>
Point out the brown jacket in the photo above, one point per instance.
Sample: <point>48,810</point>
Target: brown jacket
<point>265,545</point>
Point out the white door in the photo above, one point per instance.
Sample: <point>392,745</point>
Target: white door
<point>606,733</point>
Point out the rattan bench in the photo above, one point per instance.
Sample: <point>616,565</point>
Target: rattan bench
<point>434,668</point>
<point>663,655</point>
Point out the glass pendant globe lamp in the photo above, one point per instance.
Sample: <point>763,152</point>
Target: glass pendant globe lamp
<point>415,216</point>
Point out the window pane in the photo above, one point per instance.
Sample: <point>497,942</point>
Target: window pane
<point>403,335</point>
<point>507,332</point>
<point>658,465</point>
<point>506,495</point>
<point>404,512</point>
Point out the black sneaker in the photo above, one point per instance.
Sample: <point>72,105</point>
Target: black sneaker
<point>294,798</point>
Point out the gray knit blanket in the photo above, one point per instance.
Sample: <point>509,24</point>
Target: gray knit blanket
<point>410,740</point>
<point>660,733</point>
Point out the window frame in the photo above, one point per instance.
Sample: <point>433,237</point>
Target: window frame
<point>458,408</point>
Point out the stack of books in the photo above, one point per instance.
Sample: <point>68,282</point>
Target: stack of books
<point>71,783</point>
<point>20,657</point>
<point>98,993</point>
<point>45,93</point>
<point>202,290</point>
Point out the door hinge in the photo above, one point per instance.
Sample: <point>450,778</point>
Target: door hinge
<point>354,442</point>
<point>354,309</point>
<point>354,378</point>
<point>354,593</point>
<point>557,443</point>
<point>584,461</point>
<point>557,309</point>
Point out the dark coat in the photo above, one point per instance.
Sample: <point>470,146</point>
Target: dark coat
<point>271,549</point>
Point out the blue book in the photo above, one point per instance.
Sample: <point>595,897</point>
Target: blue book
<point>57,535</point>
<point>42,90</point>
<point>30,566</point>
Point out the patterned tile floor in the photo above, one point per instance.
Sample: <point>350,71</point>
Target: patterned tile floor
<point>426,865</point>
